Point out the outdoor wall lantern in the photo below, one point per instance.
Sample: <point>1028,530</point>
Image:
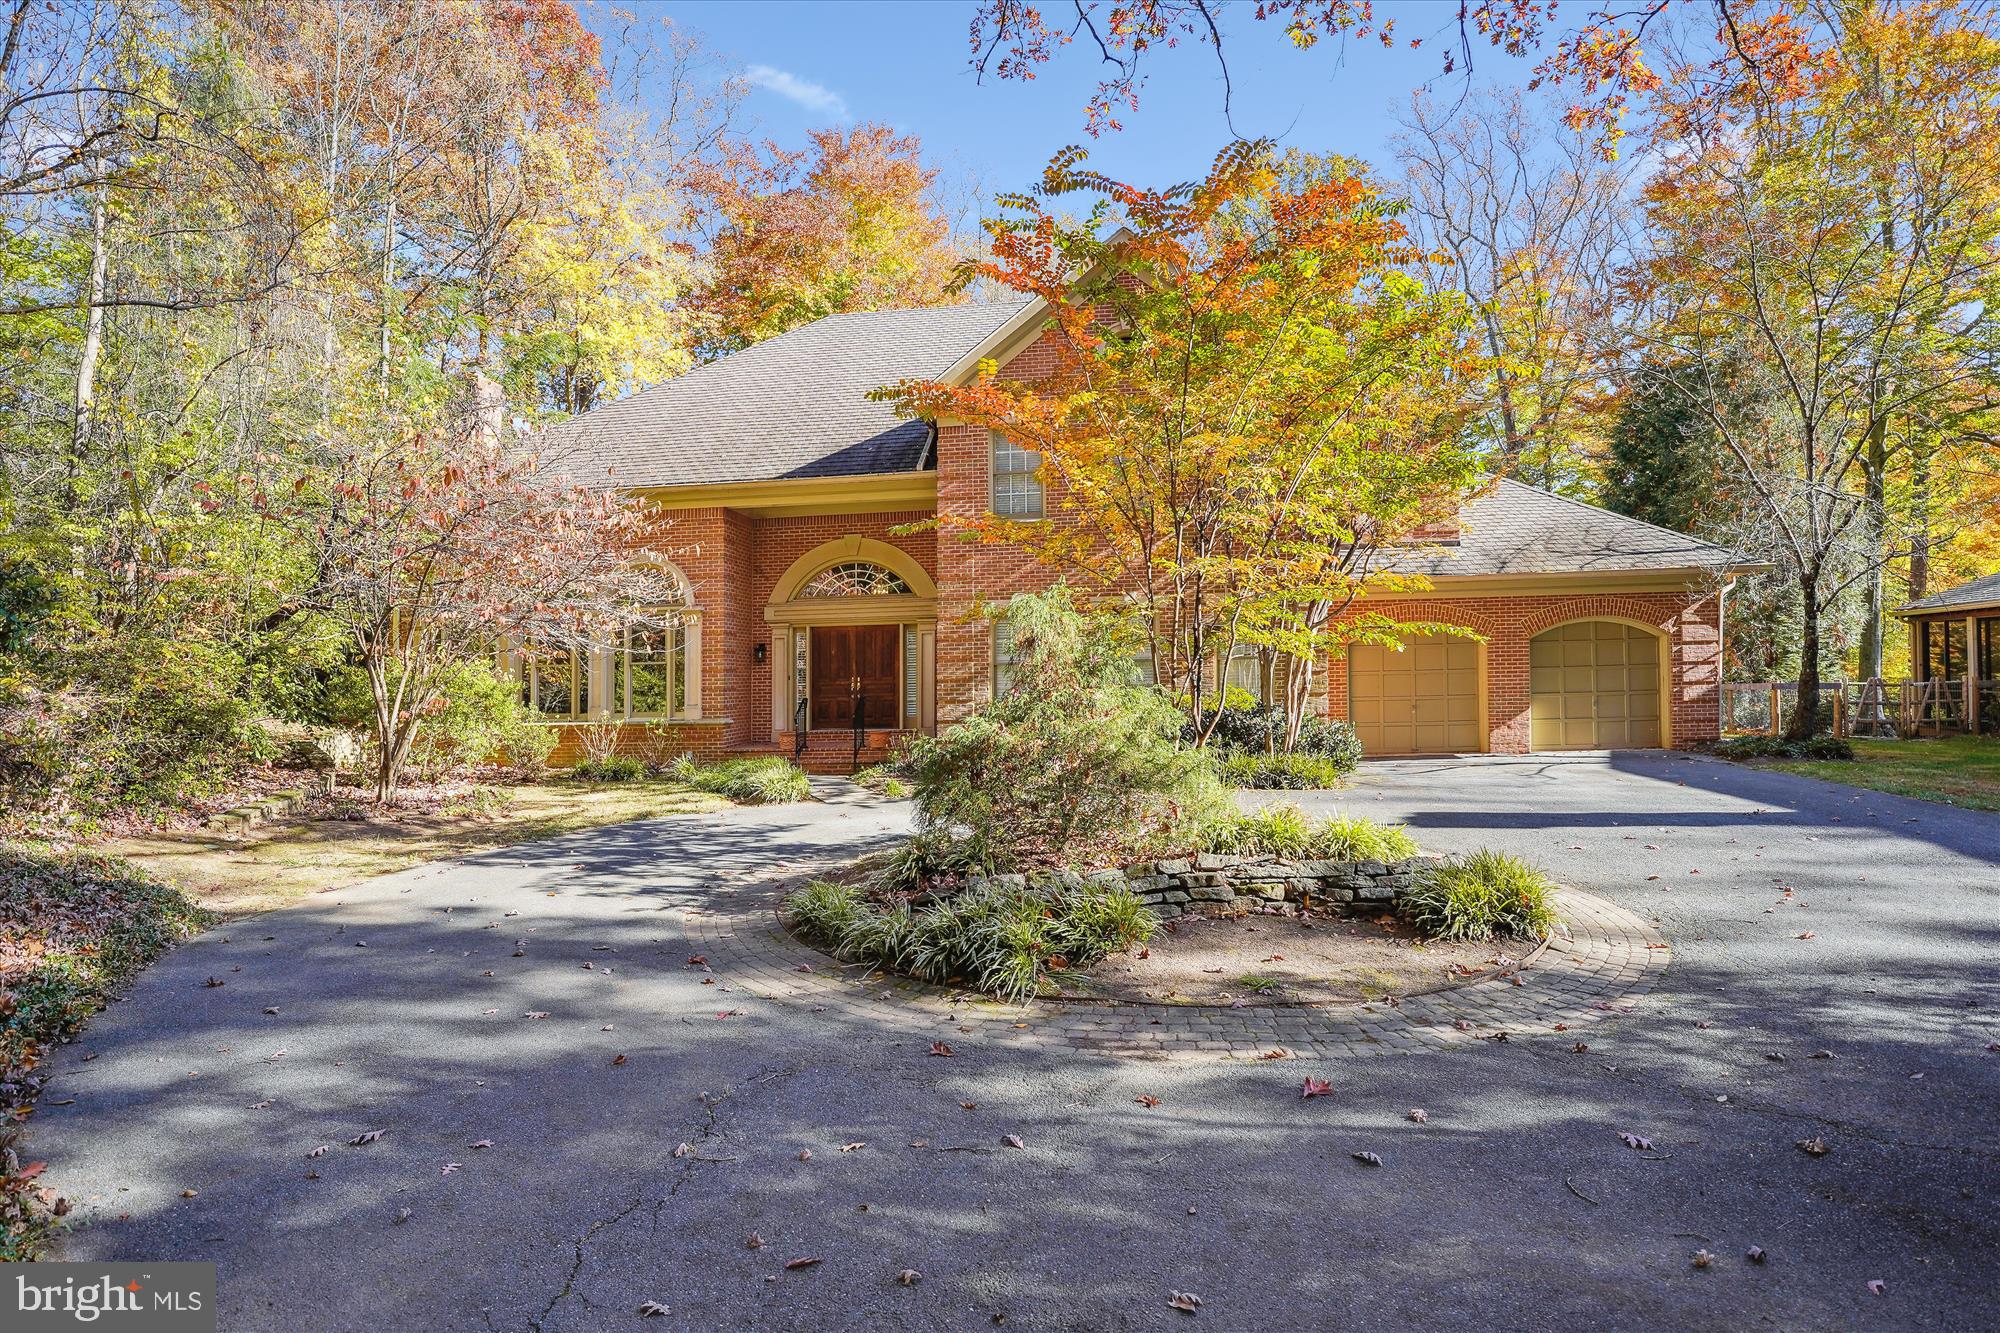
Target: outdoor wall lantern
<point>757,654</point>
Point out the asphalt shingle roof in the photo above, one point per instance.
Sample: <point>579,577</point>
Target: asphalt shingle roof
<point>792,406</point>
<point>1979,592</point>
<point>1516,529</point>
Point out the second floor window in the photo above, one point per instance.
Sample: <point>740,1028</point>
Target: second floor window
<point>1016,491</point>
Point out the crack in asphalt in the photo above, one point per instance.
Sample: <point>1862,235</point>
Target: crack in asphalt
<point>689,1163</point>
<point>576,1262</point>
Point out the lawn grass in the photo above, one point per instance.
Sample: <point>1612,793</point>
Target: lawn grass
<point>288,859</point>
<point>1957,770</point>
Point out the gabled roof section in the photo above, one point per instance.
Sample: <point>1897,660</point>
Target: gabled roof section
<point>1515,529</point>
<point>1966,596</point>
<point>793,406</point>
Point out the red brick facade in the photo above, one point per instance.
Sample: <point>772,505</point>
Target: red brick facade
<point>735,561</point>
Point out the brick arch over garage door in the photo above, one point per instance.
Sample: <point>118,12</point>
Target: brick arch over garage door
<point>1690,620</point>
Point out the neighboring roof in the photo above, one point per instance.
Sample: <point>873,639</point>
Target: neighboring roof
<point>792,406</point>
<point>1969,596</point>
<point>1516,529</point>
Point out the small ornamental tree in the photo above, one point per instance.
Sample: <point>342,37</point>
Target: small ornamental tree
<point>438,545</point>
<point>1250,401</point>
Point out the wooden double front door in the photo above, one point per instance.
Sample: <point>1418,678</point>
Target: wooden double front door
<point>849,661</point>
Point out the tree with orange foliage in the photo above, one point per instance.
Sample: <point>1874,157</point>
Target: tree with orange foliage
<point>1251,401</point>
<point>851,223</point>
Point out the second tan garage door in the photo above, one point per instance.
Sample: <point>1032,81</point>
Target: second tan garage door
<point>1423,700</point>
<point>1594,685</point>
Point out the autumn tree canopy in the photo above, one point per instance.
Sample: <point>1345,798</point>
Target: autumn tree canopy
<point>1251,399</point>
<point>852,222</point>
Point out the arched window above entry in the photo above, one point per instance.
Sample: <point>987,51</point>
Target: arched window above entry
<point>855,578</point>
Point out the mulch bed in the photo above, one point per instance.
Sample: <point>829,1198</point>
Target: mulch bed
<point>1262,958</point>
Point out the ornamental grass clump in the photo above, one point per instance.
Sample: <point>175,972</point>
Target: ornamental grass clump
<point>766,781</point>
<point>1476,897</point>
<point>1001,939</point>
<point>1285,831</point>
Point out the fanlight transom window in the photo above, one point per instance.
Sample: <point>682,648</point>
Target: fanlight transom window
<point>856,578</point>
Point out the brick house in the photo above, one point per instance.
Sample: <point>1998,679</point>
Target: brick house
<point>794,505</point>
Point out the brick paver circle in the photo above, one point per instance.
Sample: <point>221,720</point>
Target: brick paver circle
<point>1598,967</point>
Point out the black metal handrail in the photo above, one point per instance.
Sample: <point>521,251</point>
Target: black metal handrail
<point>799,729</point>
<point>860,714</point>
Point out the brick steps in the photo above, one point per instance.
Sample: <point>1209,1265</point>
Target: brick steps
<point>832,752</point>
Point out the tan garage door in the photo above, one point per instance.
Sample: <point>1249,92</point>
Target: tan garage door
<point>1422,700</point>
<point>1594,685</point>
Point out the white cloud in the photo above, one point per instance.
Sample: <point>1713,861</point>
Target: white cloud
<point>812,96</point>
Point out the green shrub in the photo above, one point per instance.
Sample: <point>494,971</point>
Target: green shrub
<point>1778,747</point>
<point>1285,831</point>
<point>141,723</point>
<point>1075,761</point>
<point>616,768</point>
<point>1279,772</point>
<point>479,720</point>
<point>768,780</point>
<point>1001,940</point>
<point>1476,897</point>
<point>1259,729</point>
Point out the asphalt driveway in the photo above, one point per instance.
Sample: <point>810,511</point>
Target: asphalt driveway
<point>485,1001</point>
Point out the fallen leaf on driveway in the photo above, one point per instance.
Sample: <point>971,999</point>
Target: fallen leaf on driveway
<point>365,1136</point>
<point>318,1152</point>
<point>805,1154</point>
<point>941,1048</point>
<point>189,1194</point>
<point>1420,1115</point>
<point>1636,1142</point>
<point>450,1167</point>
<point>970,1106</point>
<point>1755,1254</point>
<point>1807,935</point>
<point>852,1147</point>
<point>1366,1158</point>
<point>805,1262</point>
<point>909,1277</point>
<point>1185,1301</point>
<point>1013,1141</point>
<point>1315,1087</point>
<point>402,1216</point>
<point>483,1143</point>
<point>1147,1101</point>
<point>536,1013</point>
<point>1701,1259</point>
<point>649,1309</point>
<point>618,1059</point>
<point>753,1241</point>
<point>1813,1147</point>
<point>1876,1284</point>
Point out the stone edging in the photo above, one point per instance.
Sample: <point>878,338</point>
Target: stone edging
<point>1609,960</point>
<point>1212,883</point>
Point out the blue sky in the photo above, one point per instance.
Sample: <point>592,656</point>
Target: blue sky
<point>906,64</point>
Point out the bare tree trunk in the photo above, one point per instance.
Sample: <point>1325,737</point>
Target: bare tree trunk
<point>93,346</point>
<point>1874,474</point>
<point>1807,709</point>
